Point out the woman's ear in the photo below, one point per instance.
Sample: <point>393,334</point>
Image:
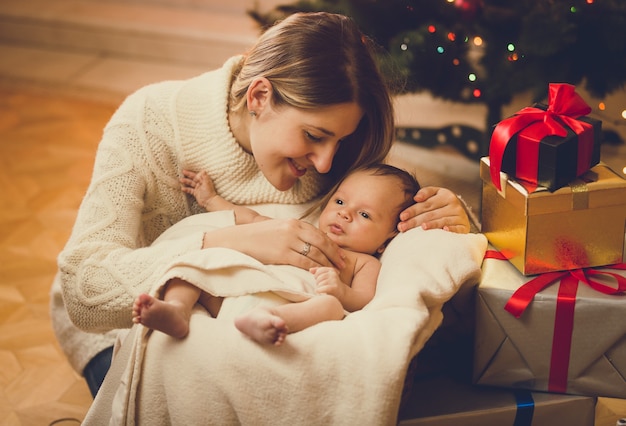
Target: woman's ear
<point>259,94</point>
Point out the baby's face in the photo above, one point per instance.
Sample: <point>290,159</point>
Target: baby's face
<point>362,214</point>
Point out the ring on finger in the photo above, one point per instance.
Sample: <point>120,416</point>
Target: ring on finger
<point>306,249</point>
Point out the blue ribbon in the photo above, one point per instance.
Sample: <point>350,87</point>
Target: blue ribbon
<point>525,408</point>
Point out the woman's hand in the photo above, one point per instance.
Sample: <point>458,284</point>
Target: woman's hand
<point>435,208</point>
<point>279,242</point>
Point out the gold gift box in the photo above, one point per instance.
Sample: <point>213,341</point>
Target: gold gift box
<point>577,226</point>
<point>442,401</point>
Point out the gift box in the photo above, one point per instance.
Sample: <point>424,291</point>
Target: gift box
<point>580,225</point>
<point>442,401</point>
<point>561,332</point>
<point>547,145</point>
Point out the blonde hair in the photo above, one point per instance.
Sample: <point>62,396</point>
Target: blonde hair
<point>321,59</point>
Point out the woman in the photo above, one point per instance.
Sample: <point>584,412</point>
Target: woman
<point>280,124</point>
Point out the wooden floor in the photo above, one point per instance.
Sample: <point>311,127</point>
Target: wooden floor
<point>47,146</point>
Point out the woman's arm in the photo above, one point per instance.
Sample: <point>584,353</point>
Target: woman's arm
<point>107,260</point>
<point>435,208</point>
<point>288,238</point>
<point>279,242</point>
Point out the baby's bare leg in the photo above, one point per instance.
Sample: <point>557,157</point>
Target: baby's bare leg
<point>171,315</point>
<point>211,303</point>
<point>271,325</point>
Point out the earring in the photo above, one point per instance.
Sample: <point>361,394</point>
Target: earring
<point>252,113</point>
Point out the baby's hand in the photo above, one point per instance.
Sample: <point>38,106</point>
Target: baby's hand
<point>199,185</point>
<point>328,281</point>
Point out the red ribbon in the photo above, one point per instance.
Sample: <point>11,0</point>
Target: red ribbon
<point>565,303</point>
<point>533,125</point>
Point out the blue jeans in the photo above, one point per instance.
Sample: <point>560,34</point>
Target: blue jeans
<point>96,370</point>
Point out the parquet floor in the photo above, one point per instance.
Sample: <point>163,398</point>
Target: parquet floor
<point>47,146</point>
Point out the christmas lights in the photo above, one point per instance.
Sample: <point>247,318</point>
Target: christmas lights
<point>508,47</point>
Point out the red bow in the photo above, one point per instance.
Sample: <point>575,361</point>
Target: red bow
<point>564,107</point>
<point>564,318</point>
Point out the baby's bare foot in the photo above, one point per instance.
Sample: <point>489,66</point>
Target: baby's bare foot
<point>169,317</point>
<point>262,326</point>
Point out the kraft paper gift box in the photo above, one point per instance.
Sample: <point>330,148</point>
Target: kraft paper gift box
<point>571,338</point>
<point>577,226</point>
<point>547,145</point>
<point>442,401</point>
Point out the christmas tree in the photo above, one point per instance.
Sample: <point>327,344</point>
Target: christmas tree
<point>488,51</point>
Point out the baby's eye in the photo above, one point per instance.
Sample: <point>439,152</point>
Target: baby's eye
<point>339,201</point>
<point>312,137</point>
<point>364,215</point>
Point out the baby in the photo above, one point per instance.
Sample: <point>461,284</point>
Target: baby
<point>360,215</point>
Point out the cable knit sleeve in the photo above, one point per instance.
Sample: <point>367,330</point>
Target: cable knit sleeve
<point>133,197</point>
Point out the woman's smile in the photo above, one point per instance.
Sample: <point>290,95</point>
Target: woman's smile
<point>298,170</point>
<point>287,141</point>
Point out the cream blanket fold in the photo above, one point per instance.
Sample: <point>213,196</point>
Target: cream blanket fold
<point>335,373</point>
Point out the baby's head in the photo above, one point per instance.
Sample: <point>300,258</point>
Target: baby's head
<point>362,212</point>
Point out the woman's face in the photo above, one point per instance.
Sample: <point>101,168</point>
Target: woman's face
<point>286,141</point>
<point>362,214</point>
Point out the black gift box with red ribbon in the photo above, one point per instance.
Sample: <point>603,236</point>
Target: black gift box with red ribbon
<point>547,145</point>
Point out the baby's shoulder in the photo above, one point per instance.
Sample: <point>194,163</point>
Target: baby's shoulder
<point>361,259</point>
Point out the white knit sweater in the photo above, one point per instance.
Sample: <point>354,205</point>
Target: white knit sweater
<point>135,194</point>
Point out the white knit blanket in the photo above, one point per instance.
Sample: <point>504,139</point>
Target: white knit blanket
<point>337,372</point>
